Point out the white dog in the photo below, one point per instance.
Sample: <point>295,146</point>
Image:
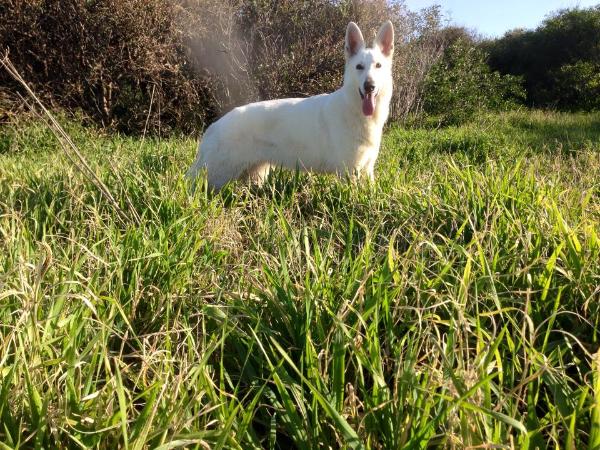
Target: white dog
<point>338,132</point>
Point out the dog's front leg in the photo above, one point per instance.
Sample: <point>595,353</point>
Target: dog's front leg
<point>371,175</point>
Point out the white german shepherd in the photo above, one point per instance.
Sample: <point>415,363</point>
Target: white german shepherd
<point>338,132</point>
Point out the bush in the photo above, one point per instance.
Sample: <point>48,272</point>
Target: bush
<point>119,60</point>
<point>462,84</point>
<point>559,61</point>
<point>577,86</point>
<point>163,65</point>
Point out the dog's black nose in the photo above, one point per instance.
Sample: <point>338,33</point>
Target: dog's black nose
<point>369,86</point>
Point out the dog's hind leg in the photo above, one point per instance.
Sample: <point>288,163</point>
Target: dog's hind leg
<point>223,170</point>
<point>220,174</point>
<point>259,172</point>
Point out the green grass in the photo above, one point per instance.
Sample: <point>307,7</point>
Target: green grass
<point>453,304</point>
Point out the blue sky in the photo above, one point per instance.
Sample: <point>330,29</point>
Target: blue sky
<point>494,17</point>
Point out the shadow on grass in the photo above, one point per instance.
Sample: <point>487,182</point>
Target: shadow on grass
<point>568,133</point>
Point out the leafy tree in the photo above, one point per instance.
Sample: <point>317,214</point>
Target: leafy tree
<point>461,84</point>
<point>578,86</point>
<point>559,61</point>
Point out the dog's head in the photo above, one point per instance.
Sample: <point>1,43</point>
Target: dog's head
<point>369,70</point>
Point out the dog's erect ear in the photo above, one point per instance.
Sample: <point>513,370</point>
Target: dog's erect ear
<point>354,40</point>
<point>385,39</point>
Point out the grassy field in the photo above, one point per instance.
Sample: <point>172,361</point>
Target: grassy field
<point>453,304</point>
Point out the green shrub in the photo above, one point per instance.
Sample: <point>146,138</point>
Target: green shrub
<point>578,86</point>
<point>559,61</point>
<point>462,84</point>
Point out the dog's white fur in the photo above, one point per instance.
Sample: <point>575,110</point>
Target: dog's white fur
<point>326,133</point>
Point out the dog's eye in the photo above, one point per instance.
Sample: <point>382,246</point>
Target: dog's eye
<point>378,65</point>
<point>360,67</point>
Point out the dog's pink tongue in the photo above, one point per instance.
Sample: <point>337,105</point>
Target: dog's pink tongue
<point>368,105</point>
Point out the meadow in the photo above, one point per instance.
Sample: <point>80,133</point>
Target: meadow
<point>452,304</point>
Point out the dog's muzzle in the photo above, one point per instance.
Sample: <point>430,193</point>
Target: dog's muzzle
<point>368,98</point>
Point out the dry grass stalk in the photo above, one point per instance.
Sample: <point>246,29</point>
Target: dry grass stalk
<point>69,147</point>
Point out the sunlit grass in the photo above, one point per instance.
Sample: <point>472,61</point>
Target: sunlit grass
<point>453,304</point>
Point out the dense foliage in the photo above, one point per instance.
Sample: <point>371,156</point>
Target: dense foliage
<point>120,62</point>
<point>559,61</point>
<point>461,84</point>
<point>164,65</point>
<point>161,65</point>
